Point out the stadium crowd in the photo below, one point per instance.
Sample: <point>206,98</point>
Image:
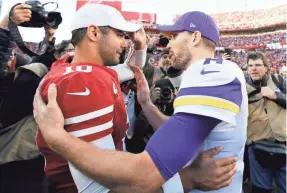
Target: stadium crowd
<point>141,65</point>
<point>253,40</point>
<point>241,20</point>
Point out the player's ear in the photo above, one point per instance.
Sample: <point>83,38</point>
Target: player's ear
<point>196,38</point>
<point>93,33</point>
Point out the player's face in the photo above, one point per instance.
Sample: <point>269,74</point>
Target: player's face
<point>179,49</point>
<point>284,73</point>
<point>111,46</point>
<point>256,69</point>
<point>165,61</point>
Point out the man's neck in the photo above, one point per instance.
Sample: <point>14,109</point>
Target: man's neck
<point>86,56</point>
<point>200,55</point>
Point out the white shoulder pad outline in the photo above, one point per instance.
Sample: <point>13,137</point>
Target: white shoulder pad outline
<point>200,75</point>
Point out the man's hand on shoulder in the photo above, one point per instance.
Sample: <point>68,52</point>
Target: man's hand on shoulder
<point>49,117</point>
<point>207,173</point>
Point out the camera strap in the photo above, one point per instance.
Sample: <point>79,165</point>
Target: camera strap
<point>16,36</point>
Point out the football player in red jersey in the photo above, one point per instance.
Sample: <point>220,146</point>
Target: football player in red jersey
<point>89,92</point>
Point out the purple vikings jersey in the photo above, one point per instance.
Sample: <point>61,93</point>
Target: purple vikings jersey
<point>211,109</point>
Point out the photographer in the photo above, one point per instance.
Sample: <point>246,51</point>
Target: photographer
<point>266,131</point>
<point>164,82</point>
<point>21,162</point>
<point>25,79</point>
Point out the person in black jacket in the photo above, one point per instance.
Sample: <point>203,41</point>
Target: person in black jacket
<point>17,92</point>
<point>17,89</point>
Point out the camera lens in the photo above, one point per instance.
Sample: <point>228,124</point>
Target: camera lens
<point>165,93</point>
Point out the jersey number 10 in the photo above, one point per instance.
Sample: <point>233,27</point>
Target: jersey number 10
<point>72,69</point>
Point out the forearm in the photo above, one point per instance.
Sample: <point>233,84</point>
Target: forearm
<point>137,57</point>
<point>131,176</point>
<point>153,115</point>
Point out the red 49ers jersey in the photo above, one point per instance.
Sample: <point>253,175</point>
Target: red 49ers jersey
<point>90,98</point>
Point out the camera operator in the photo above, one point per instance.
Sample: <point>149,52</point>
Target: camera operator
<point>26,78</point>
<point>266,130</point>
<point>164,82</point>
<point>21,165</point>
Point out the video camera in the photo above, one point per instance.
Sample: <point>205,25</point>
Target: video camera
<point>41,17</point>
<point>163,41</point>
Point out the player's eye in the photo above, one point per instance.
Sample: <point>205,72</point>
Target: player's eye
<point>121,34</point>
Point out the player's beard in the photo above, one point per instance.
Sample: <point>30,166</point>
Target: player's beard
<point>107,54</point>
<point>181,59</point>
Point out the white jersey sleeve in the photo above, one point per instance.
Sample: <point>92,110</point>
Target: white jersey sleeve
<point>136,58</point>
<point>211,87</point>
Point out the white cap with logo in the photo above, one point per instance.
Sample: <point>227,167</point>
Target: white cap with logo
<point>102,15</point>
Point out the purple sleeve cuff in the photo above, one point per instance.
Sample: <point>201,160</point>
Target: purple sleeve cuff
<point>178,140</point>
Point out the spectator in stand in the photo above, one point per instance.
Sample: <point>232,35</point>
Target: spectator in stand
<point>283,71</point>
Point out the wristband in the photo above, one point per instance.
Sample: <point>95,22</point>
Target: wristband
<point>173,185</point>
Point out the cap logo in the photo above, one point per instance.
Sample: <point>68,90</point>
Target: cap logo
<point>192,25</point>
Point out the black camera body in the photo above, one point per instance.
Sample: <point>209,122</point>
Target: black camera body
<point>40,17</point>
<point>167,90</point>
<point>165,94</point>
<point>163,41</point>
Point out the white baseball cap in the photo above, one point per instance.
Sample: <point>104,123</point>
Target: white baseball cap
<point>101,15</point>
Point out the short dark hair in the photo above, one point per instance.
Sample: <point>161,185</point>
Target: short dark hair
<point>62,46</point>
<point>79,34</point>
<point>257,55</point>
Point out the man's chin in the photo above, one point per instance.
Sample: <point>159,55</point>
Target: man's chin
<point>112,63</point>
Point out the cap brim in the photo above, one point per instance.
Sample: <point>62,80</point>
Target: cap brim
<point>127,27</point>
<point>168,28</point>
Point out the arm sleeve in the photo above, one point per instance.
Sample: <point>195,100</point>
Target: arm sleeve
<point>281,96</point>
<point>135,57</point>
<point>6,47</point>
<point>138,58</point>
<point>178,140</point>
